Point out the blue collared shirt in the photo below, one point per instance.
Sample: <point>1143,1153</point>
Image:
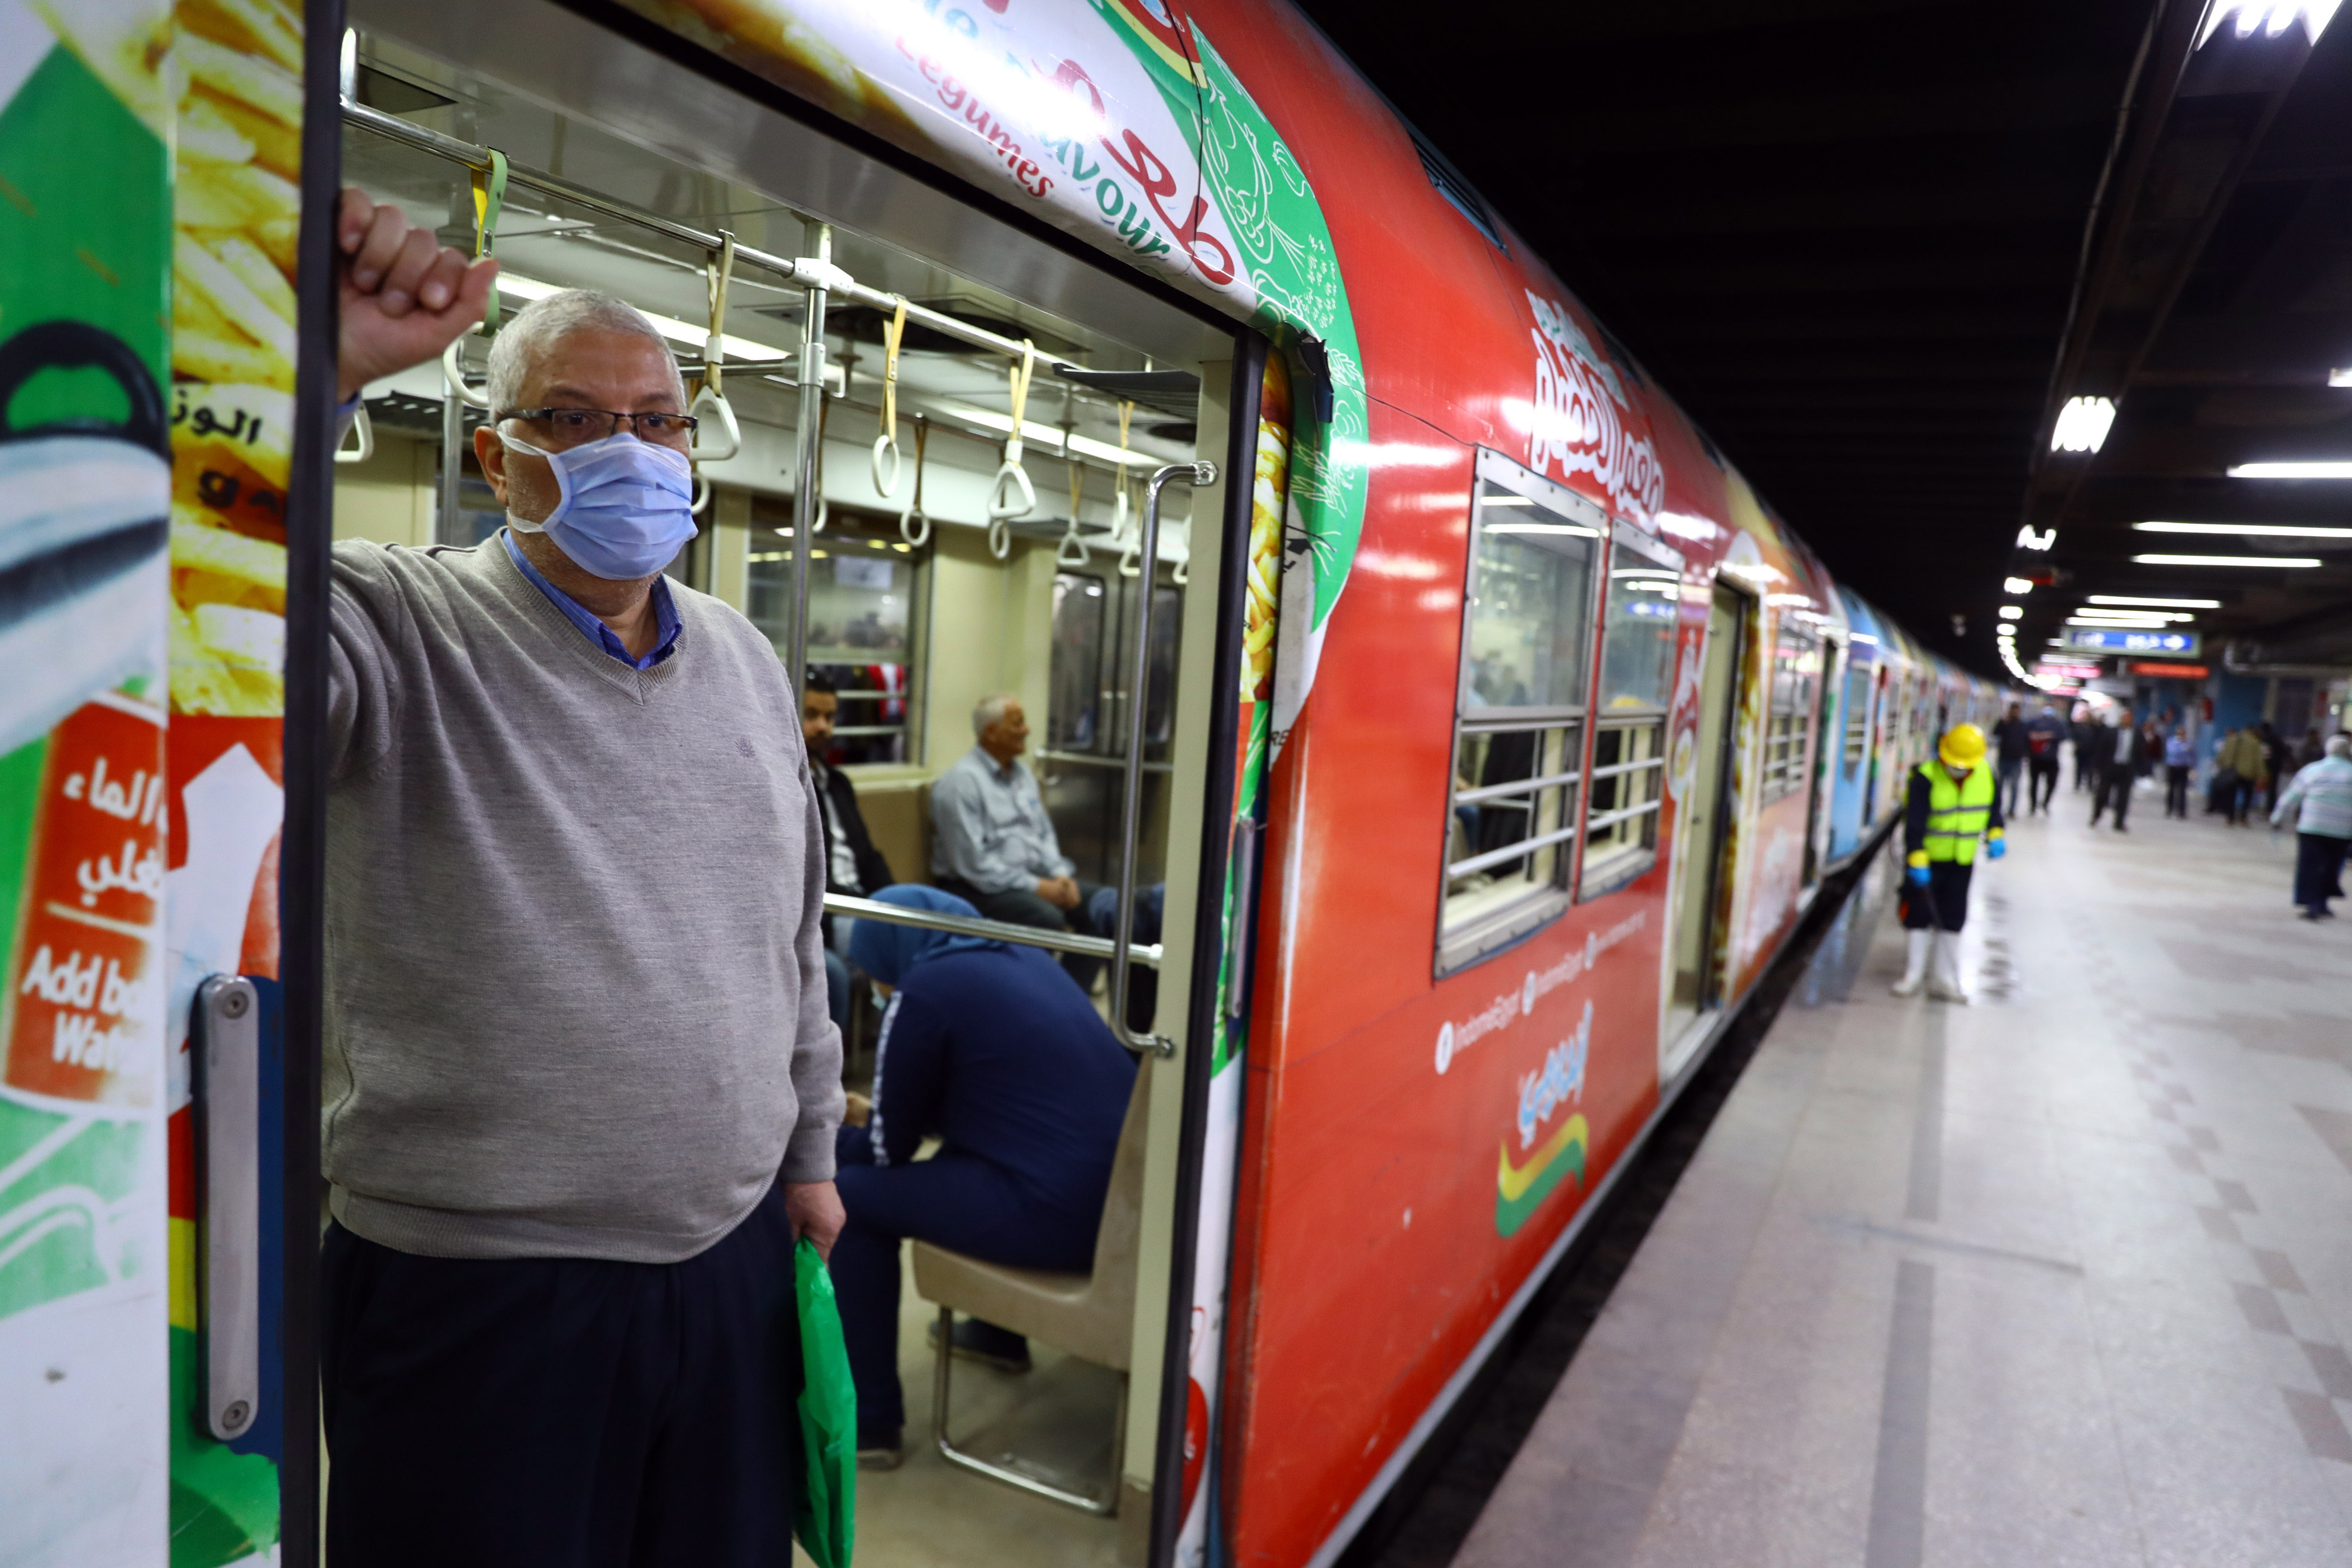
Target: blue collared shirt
<point>595,631</point>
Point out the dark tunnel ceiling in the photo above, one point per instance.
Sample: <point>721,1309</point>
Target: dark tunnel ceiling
<point>1844,233</point>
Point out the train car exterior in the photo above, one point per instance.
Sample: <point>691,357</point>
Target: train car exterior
<point>1489,535</point>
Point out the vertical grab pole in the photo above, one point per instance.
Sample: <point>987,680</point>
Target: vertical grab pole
<point>1131,814</point>
<point>810,464</point>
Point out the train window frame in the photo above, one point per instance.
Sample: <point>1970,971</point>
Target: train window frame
<point>1619,844</point>
<point>1471,928</point>
<point>872,719</point>
<point>1793,692</point>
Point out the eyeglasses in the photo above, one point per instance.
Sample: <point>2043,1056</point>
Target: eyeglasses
<point>578,426</point>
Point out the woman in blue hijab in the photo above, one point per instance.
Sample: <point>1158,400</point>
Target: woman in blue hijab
<point>991,1048</point>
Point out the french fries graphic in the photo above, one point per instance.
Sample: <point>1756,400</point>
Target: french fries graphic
<point>234,347</point>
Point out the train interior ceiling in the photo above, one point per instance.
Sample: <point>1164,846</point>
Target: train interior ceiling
<point>914,614</point>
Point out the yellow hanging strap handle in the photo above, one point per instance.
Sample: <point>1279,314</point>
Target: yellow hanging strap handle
<point>1010,494</point>
<point>489,198</point>
<point>913,526</point>
<point>885,482</point>
<point>719,437</point>
<point>1071,551</point>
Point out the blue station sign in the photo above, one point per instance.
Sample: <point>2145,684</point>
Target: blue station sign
<point>2101,639</point>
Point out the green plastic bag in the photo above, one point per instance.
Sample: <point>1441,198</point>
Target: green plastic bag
<point>824,1515</point>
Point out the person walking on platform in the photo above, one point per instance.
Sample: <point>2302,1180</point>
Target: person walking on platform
<point>2322,795</point>
<point>2011,750</point>
<point>1950,806</point>
<point>2179,761</point>
<point>2120,754</point>
<point>2085,733</point>
<point>580,1089</point>
<point>2044,734</point>
<point>2244,767</point>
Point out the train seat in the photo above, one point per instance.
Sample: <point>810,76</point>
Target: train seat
<point>1090,1316</point>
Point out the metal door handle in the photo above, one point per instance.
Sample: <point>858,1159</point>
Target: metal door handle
<point>228,1092</point>
<point>1131,802</point>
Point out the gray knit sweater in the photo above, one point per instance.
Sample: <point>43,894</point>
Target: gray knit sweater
<point>575,991</point>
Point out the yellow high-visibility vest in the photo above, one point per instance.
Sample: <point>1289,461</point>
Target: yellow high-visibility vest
<point>1957,810</point>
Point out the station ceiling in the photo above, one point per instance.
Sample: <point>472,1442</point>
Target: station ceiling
<point>1874,245</point>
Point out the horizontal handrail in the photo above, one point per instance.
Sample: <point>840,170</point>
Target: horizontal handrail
<point>995,931</point>
<point>1641,765</point>
<point>1612,818</point>
<point>1513,786</point>
<point>467,155</point>
<point>1525,847</point>
<point>1502,721</point>
<point>1084,759</point>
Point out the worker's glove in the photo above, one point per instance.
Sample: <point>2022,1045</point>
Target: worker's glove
<point>1918,873</point>
<point>1996,848</point>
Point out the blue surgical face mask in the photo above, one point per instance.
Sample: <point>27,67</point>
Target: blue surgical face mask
<point>626,506</point>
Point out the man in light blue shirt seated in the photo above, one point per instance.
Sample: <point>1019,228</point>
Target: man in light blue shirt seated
<point>993,845</point>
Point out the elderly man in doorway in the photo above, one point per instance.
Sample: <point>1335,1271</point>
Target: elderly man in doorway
<point>581,1087</point>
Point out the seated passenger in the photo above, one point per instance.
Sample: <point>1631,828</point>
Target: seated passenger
<point>993,846</point>
<point>992,1049</point>
<point>852,865</point>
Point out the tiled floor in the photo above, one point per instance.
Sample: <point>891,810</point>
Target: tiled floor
<point>2064,1276</point>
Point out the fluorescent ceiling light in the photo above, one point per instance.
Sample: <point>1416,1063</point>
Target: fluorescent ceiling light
<point>2116,625</point>
<point>2012,612</point>
<point>2279,529</point>
<point>2017,586</point>
<point>2028,540</point>
<point>2158,604</point>
<point>1507,501</point>
<point>2291,471</point>
<point>1047,434</point>
<point>2133,617</point>
<point>2340,377</point>
<point>1647,572</point>
<point>2082,425</point>
<point>2269,17</point>
<point>2225,560</point>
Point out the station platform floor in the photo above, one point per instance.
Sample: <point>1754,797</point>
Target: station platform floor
<point>2062,1277</point>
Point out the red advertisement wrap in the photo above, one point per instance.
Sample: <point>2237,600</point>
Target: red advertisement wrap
<point>84,996</point>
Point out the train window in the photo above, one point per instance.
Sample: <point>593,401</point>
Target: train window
<point>1637,672</point>
<point>1519,748</point>
<point>863,628</point>
<point>1857,718</point>
<point>1796,671</point>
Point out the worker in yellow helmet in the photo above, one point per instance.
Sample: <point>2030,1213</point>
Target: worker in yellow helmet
<point>1952,805</point>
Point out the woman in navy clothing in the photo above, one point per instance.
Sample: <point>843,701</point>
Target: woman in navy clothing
<point>992,1048</point>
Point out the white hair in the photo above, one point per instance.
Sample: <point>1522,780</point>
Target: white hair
<point>2339,744</point>
<point>988,710</point>
<point>524,342</point>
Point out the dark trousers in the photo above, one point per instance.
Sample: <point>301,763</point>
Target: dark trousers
<point>560,1411</point>
<point>2115,790</point>
<point>2318,862</point>
<point>2176,790</point>
<point>2011,769</point>
<point>2083,771</point>
<point>2043,783</point>
<point>1943,903</point>
<point>956,1201</point>
<point>1027,907</point>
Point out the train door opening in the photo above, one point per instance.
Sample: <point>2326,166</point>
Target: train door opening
<point>922,582</point>
<point>1703,841</point>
